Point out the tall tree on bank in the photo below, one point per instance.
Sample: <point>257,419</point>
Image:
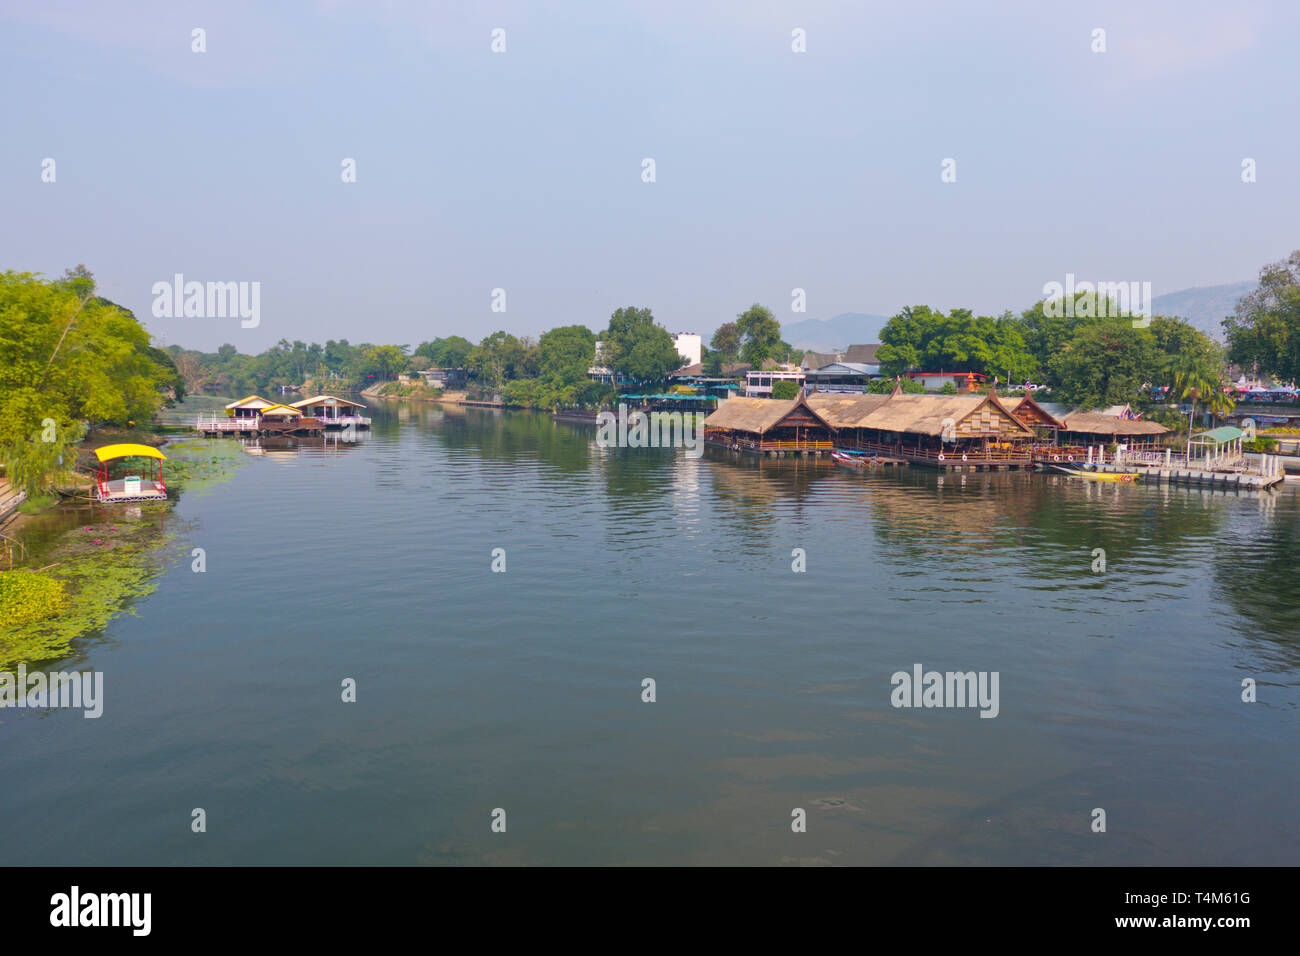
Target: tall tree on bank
<point>920,338</point>
<point>636,347</point>
<point>499,358</point>
<point>451,352</point>
<point>1104,364</point>
<point>760,334</point>
<point>68,359</point>
<point>726,342</point>
<point>1264,332</point>
<point>566,353</point>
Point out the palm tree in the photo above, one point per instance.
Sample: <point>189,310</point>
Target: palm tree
<point>1220,403</point>
<point>1192,379</point>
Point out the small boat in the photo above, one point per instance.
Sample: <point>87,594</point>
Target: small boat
<point>1123,476</point>
<point>130,487</point>
<point>854,459</point>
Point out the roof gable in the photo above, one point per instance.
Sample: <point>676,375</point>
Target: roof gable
<point>761,415</point>
<point>1030,412</point>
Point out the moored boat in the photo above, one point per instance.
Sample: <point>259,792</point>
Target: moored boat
<point>854,459</point>
<point>130,487</point>
<point>1122,476</point>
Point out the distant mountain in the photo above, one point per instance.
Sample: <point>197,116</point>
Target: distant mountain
<point>1205,306</point>
<point>838,333</point>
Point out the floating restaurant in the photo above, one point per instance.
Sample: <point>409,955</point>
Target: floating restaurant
<point>941,431</point>
<point>952,432</point>
<point>765,426</point>
<point>256,415</point>
<point>333,412</point>
<point>962,432</point>
<point>1072,437</point>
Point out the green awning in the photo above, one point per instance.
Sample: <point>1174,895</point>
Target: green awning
<point>1221,435</point>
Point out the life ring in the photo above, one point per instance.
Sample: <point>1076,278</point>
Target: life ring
<point>1056,458</point>
<point>941,456</point>
<point>963,456</point>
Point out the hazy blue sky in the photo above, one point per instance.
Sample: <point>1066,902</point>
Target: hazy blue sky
<point>522,170</point>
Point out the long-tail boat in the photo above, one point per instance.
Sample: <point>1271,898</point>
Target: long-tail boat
<point>1098,475</point>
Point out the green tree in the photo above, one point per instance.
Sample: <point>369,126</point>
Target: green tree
<point>636,347</point>
<point>919,338</point>
<point>760,334</point>
<point>501,358</point>
<point>566,353</point>
<point>1105,363</point>
<point>384,361</point>
<point>883,386</point>
<point>1192,378</point>
<point>726,342</point>
<point>69,359</point>
<point>451,352</point>
<point>1264,331</point>
<point>785,389</point>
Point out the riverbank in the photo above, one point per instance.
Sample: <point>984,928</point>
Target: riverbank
<point>76,564</point>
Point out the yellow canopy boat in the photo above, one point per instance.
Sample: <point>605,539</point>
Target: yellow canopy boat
<point>1123,476</point>
<point>130,487</point>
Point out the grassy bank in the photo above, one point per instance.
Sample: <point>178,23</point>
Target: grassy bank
<point>80,564</point>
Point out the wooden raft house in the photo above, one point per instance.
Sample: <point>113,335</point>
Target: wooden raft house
<point>765,426</point>
<point>949,432</point>
<point>255,415</point>
<point>334,412</point>
<point>1075,437</point>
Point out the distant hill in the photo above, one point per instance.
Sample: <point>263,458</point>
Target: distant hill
<point>1204,307</point>
<point>827,335</point>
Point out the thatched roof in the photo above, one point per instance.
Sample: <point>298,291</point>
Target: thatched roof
<point>818,359</point>
<point>756,415</point>
<point>859,354</point>
<point>845,411</point>
<point>1027,402</point>
<point>1095,423</point>
<point>912,414</point>
<point>325,400</point>
<point>863,354</point>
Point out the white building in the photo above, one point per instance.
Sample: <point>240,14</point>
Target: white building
<point>759,384</point>
<point>689,347</point>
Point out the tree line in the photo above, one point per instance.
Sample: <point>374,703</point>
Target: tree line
<point>70,360</point>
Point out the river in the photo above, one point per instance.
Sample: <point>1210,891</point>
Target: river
<point>522,691</point>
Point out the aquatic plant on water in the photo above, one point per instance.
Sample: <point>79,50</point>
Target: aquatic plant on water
<point>27,596</point>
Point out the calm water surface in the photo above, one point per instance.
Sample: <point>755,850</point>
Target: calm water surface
<point>522,690</point>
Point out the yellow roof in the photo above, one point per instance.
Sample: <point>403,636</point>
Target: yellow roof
<point>325,400</point>
<point>288,408</point>
<point>109,452</point>
<point>248,401</point>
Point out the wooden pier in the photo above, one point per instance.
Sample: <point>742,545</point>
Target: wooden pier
<point>1244,481</point>
<point>213,426</point>
<point>774,448</point>
<point>10,499</point>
